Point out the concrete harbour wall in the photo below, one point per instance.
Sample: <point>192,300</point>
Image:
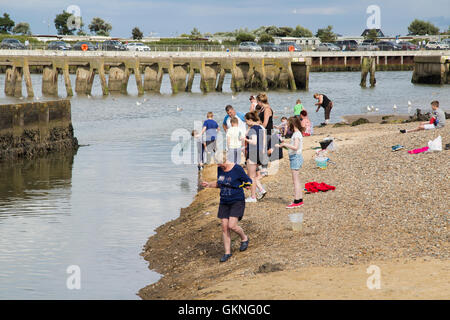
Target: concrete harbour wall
<point>35,129</point>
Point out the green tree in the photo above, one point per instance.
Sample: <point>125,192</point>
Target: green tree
<point>272,30</point>
<point>265,38</point>
<point>137,33</point>
<point>195,33</point>
<point>372,35</point>
<point>6,24</point>
<point>420,27</point>
<point>100,27</point>
<point>301,32</point>
<point>22,28</point>
<point>61,23</point>
<point>243,36</point>
<point>81,33</point>
<point>284,31</point>
<point>326,34</point>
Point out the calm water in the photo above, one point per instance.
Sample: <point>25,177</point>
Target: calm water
<point>96,209</point>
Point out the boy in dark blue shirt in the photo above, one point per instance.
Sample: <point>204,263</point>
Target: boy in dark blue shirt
<point>231,179</point>
<point>211,128</point>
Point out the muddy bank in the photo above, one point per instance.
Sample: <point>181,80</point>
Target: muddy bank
<point>386,206</point>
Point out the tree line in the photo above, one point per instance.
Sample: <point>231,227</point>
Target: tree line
<point>100,27</point>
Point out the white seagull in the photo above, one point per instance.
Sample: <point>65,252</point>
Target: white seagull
<point>138,103</point>
<point>179,109</point>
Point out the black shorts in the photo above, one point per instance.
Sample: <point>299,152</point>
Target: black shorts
<point>233,209</point>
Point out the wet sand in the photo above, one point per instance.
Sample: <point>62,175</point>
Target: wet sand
<point>390,209</point>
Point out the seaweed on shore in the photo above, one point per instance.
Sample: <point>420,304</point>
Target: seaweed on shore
<point>359,121</point>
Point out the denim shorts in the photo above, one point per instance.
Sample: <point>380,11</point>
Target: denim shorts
<point>296,161</point>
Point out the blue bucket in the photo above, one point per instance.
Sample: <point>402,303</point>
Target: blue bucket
<point>321,162</point>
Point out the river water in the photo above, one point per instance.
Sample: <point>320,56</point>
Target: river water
<point>96,209</point>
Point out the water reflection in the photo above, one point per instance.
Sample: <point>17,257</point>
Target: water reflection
<point>37,186</point>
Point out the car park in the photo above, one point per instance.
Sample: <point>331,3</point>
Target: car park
<point>388,46</point>
<point>58,45</point>
<point>290,46</point>
<point>9,43</point>
<point>327,46</point>
<point>84,46</point>
<point>269,46</point>
<point>137,46</point>
<point>249,46</point>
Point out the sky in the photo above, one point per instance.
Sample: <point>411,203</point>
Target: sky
<point>167,18</point>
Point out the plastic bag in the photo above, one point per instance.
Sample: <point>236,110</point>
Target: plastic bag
<point>435,145</point>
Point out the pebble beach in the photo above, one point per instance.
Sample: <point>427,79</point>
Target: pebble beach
<point>388,207</point>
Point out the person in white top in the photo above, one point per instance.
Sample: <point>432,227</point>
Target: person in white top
<point>295,158</point>
<point>235,138</point>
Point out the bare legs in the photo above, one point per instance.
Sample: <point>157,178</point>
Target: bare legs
<point>255,179</point>
<point>298,191</point>
<point>227,225</point>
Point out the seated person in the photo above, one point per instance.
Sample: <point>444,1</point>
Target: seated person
<point>283,126</point>
<point>305,123</point>
<point>436,122</point>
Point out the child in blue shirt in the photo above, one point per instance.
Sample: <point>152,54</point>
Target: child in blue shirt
<point>211,128</point>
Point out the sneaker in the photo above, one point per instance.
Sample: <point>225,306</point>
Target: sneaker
<point>294,205</point>
<point>260,195</point>
<point>250,199</point>
<point>264,173</point>
<point>225,257</point>
<point>244,245</point>
<point>397,147</point>
<point>403,131</point>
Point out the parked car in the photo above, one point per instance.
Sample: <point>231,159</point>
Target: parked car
<point>249,46</point>
<point>9,43</point>
<point>388,46</point>
<point>58,45</point>
<point>406,45</point>
<point>347,45</point>
<point>436,45</point>
<point>327,46</point>
<point>284,46</point>
<point>269,46</point>
<point>113,45</point>
<point>78,46</point>
<point>137,46</point>
<point>367,45</point>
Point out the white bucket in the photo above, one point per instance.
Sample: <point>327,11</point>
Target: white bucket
<point>296,221</point>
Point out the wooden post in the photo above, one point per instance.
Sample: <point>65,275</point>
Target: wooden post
<point>102,76</point>
<point>27,76</point>
<point>67,82</point>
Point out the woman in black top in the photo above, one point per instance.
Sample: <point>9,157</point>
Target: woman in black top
<point>266,116</point>
<point>324,102</point>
